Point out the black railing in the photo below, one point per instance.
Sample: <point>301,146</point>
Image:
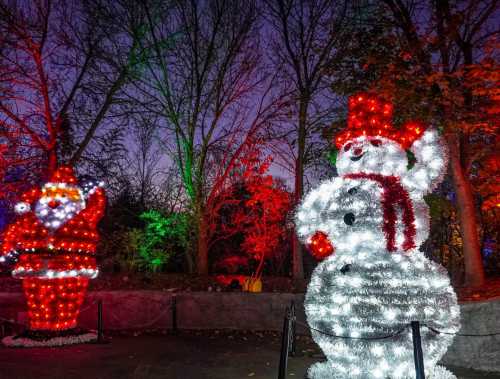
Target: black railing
<point>100,325</point>
<point>288,340</point>
<point>418,355</point>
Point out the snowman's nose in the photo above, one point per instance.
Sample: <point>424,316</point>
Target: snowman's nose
<point>358,151</point>
<point>53,204</point>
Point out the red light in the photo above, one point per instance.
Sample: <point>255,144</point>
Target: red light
<point>372,116</point>
<point>50,296</point>
<point>320,246</point>
<point>50,303</point>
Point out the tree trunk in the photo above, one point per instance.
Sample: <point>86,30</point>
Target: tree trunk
<point>297,262</point>
<point>52,164</point>
<point>189,261</point>
<point>202,252</point>
<point>474,272</point>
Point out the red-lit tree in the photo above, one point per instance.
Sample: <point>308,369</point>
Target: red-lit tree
<point>61,72</point>
<point>254,206</point>
<point>265,222</point>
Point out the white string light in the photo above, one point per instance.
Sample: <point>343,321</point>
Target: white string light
<point>381,291</point>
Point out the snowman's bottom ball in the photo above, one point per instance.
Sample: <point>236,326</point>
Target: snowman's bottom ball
<point>373,298</point>
<point>325,370</point>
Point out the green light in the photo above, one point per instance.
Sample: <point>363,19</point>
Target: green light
<point>161,236</point>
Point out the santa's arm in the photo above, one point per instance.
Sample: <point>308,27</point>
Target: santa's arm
<point>431,159</point>
<point>8,253</point>
<point>307,222</point>
<point>95,205</point>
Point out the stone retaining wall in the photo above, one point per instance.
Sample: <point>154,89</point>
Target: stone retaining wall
<point>237,310</point>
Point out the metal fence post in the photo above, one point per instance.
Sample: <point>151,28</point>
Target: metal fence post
<point>174,314</point>
<point>293,325</point>
<point>285,346</point>
<point>417,350</point>
<point>3,329</point>
<point>100,335</point>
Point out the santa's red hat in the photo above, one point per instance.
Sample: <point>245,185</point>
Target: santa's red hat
<point>371,115</point>
<point>64,174</point>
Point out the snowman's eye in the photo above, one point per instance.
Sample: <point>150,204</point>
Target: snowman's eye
<point>347,147</point>
<point>349,218</point>
<point>376,142</point>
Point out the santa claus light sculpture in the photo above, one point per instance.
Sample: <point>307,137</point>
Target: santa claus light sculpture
<point>367,226</point>
<point>52,246</point>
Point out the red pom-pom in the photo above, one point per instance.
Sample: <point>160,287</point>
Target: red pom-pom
<point>320,246</point>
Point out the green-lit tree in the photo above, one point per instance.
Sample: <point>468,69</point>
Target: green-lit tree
<point>201,77</point>
<point>160,238</point>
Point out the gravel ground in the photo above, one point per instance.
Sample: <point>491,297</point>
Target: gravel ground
<point>189,355</point>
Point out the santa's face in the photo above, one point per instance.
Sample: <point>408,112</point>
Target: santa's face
<point>348,211</point>
<point>58,204</point>
<point>369,154</point>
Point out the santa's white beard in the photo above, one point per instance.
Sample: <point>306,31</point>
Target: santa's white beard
<point>378,296</point>
<point>53,218</point>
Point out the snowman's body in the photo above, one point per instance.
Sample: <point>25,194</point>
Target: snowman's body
<point>355,301</point>
<point>372,288</point>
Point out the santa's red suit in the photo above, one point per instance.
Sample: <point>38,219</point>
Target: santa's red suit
<point>53,242</point>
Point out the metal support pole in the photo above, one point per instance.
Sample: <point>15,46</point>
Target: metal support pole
<point>285,346</point>
<point>293,325</point>
<point>418,355</point>
<point>100,335</point>
<point>174,314</point>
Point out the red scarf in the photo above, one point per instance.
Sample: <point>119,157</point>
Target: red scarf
<point>394,194</point>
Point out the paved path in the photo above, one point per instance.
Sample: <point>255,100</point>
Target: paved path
<point>187,356</point>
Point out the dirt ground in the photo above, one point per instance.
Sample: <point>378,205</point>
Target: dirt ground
<point>189,355</point>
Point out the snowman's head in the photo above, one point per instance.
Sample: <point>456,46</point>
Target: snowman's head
<point>348,211</point>
<point>369,154</point>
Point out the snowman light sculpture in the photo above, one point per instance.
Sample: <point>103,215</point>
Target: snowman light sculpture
<point>367,225</point>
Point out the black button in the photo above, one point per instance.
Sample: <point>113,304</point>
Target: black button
<point>349,218</point>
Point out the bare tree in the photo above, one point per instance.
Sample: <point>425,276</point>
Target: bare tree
<point>201,78</point>
<point>307,39</point>
<point>145,165</point>
<point>61,70</point>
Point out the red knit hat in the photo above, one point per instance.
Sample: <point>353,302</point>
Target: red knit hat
<point>370,115</point>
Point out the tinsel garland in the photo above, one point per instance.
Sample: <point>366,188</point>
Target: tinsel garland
<point>393,194</point>
<point>71,338</point>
